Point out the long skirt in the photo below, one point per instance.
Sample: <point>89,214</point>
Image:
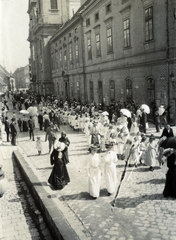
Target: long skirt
<point>110,177</point>
<point>59,177</point>
<point>170,185</point>
<point>94,181</point>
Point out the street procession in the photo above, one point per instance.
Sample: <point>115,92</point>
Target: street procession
<point>119,137</point>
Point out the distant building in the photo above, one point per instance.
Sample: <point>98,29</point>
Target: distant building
<point>46,17</point>
<point>108,51</point>
<point>22,77</point>
<point>4,79</point>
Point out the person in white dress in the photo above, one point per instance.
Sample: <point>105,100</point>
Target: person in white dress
<point>94,171</point>
<point>110,175</point>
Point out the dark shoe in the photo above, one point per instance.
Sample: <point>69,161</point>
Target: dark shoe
<point>151,169</point>
<point>109,194</point>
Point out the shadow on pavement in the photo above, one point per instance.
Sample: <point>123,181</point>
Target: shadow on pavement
<point>79,196</point>
<point>154,181</point>
<point>134,202</point>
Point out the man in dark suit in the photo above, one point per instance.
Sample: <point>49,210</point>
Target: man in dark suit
<point>167,132</point>
<point>7,128</point>
<point>31,127</point>
<point>13,131</point>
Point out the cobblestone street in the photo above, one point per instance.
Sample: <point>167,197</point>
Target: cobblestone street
<point>140,211</point>
<point>19,215</point>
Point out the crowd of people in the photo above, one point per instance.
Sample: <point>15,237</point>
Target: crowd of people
<point>114,133</point>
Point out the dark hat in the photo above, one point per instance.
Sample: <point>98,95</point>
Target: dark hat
<point>94,147</point>
<point>13,119</point>
<point>109,145</point>
<point>152,137</point>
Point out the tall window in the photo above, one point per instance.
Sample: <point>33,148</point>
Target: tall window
<point>60,57</point>
<point>126,30</point>
<point>149,24</point>
<point>98,49</point>
<point>129,90</point>
<point>53,4</point>
<point>91,91</point>
<point>89,48</point>
<point>150,90</point>
<point>100,91</point>
<point>76,51</point>
<point>70,53</point>
<point>112,90</point>
<point>65,55</point>
<point>109,40</point>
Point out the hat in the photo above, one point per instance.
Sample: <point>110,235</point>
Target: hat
<point>152,137</point>
<point>59,146</point>
<point>94,147</point>
<point>109,145</point>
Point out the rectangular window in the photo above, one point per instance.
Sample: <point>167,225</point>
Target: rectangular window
<point>126,30</point>
<point>96,16</point>
<point>70,53</point>
<point>98,48</point>
<point>76,51</point>
<point>89,48</point>
<point>60,57</point>
<point>53,4</point>
<point>109,40</point>
<point>65,56</point>
<point>108,8</point>
<point>87,22</point>
<point>149,24</point>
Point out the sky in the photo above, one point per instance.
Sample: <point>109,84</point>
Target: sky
<point>14,28</point>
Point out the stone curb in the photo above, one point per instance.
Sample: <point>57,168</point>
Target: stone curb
<point>56,222</point>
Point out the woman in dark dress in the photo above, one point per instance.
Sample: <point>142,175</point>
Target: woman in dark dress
<point>24,124</point>
<point>59,177</point>
<point>65,140</point>
<point>170,184</point>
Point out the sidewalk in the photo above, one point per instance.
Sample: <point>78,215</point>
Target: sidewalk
<point>140,211</point>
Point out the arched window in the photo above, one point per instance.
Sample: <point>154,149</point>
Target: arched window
<point>100,92</point>
<point>112,90</point>
<point>129,96</point>
<point>150,91</point>
<point>91,91</point>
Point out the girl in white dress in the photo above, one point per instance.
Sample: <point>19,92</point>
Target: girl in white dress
<point>94,171</point>
<point>110,159</point>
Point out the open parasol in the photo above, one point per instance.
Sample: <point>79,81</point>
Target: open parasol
<point>145,108</point>
<point>169,143</point>
<point>33,111</point>
<point>125,112</point>
<point>24,111</point>
<point>105,113</point>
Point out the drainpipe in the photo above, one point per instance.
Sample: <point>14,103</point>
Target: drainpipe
<point>167,55</point>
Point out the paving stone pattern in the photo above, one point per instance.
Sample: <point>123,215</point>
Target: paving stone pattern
<point>140,211</point>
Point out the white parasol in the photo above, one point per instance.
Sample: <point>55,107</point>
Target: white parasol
<point>125,112</point>
<point>105,113</point>
<point>33,111</point>
<point>24,111</point>
<point>145,108</point>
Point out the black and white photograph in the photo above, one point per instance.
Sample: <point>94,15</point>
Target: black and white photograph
<point>87,119</point>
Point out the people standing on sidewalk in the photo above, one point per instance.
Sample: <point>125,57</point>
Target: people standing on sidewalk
<point>157,119</point>
<point>13,131</point>
<point>59,176</point>
<point>110,159</point>
<point>40,120</point>
<point>167,131</point>
<point>151,153</point>
<point>170,184</point>
<point>31,127</point>
<point>39,145</point>
<point>51,134</point>
<point>65,140</point>
<point>7,128</point>
<point>24,124</point>
<point>94,171</point>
